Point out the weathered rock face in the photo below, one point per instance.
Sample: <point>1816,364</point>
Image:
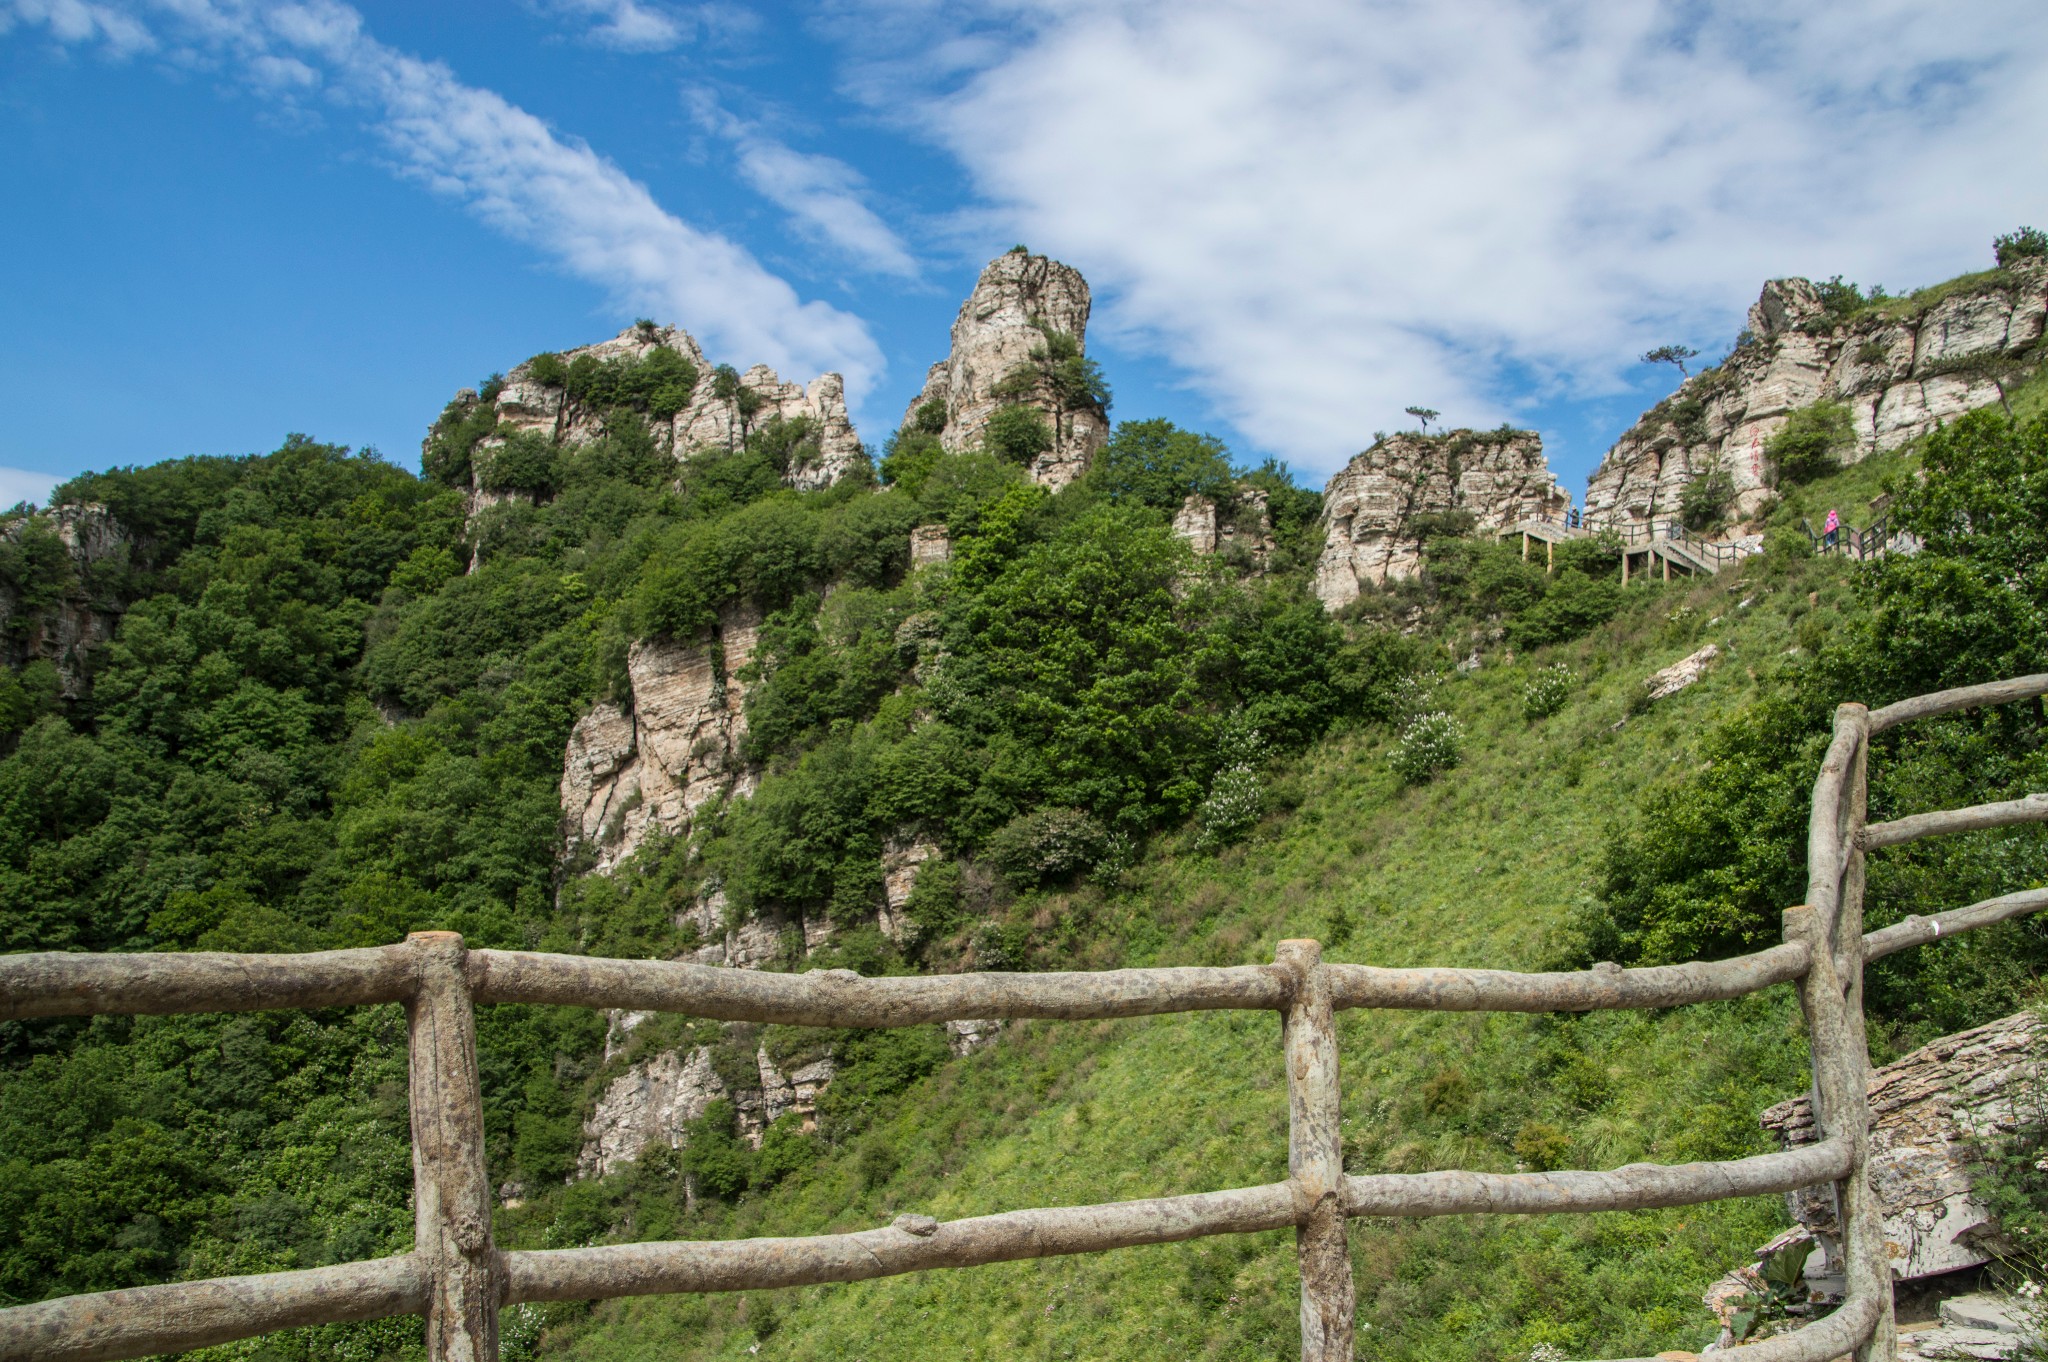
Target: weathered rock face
<point>707,421</point>
<point>930,544</point>
<point>1370,509</point>
<point>676,752</point>
<point>901,861</point>
<point>1926,1111</point>
<point>1240,526</point>
<point>1017,300</point>
<point>80,618</point>
<point>1900,375</point>
<point>653,1102</point>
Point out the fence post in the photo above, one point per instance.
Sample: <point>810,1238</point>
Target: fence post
<point>451,1187</point>
<point>1831,995</point>
<point>1315,1156</point>
<point>1862,1215</point>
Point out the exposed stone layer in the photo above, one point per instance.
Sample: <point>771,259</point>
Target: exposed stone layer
<point>81,619</point>
<point>1018,298</point>
<point>1239,525</point>
<point>1371,507</point>
<point>706,422</point>
<point>653,1102</point>
<point>1927,1110</point>
<point>1900,377</point>
<point>678,750</point>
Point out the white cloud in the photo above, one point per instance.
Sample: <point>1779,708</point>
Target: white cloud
<point>823,196</point>
<point>1325,211</point>
<point>25,484</point>
<point>629,25</point>
<point>518,175</point>
<point>78,21</point>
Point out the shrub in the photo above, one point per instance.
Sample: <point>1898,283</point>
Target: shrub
<point>1159,464</point>
<point>1236,799</point>
<point>2024,244</point>
<point>548,370</point>
<point>1548,691</point>
<point>1017,434</point>
<point>1430,743</point>
<point>525,462</point>
<point>1574,605</point>
<point>1806,446</point>
<point>1047,844</point>
<point>1237,795</point>
<point>933,906</point>
<point>718,1162</point>
<point>1706,498</point>
<point>908,458</point>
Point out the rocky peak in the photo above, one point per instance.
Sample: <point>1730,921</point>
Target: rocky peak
<point>89,540</point>
<point>625,773</point>
<point>1901,367</point>
<point>1375,511</point>
<point>1785,305</point>
<point>1001,356</point>
<point>707,415</point>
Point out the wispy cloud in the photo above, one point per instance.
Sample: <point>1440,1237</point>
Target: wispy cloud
<point>25,484</point>
<point>506,166</point>
<point>628,25</point>
<point>79,21</point>
<point>1325,211</point>
<point>824,197</point>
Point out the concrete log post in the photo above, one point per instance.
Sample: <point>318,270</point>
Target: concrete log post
<point>1315,1157</point>
<point>451,1187</point>
<point>1870,1258</point>
<point>1831,995</point>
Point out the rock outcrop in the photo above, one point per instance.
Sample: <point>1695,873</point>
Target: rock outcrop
<point>1240,526</point>
<point>1000,357</point>
<point>72,551</point>
<point>1900,369</point>
<point>678,750</point>
<point>653,1102</point>
<point>1928,1110</point>
<point>1470,481</point>
<point>706,421</point>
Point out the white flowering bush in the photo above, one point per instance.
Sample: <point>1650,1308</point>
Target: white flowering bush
<point>1546,1352</point>
<point>1430,743</point>
<point>1237,796</point>
<point>1236,799</point>
<point>1548,691</point>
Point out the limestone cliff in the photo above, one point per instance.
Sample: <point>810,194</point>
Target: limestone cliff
<point>654,1100</point>
<point>1930,1111</point>
<point>1003,353</point>
<point>70,554</point>
<point>706,420</point>
<point>1478,481</point>
<point>1902,367</point>
<point>678,750</point>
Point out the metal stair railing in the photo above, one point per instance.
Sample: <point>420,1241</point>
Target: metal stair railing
<point>459,1280</point>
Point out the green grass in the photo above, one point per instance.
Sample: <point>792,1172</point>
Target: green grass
<point>1921,301</point>
<point>1480,867</point>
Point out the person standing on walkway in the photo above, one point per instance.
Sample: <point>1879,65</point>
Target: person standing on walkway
<point>1832,529</point>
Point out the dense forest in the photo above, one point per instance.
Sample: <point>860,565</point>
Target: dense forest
<point>335,705</point>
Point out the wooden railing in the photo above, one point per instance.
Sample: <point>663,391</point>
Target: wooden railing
<point>1874,540</point>
<point>459,1280</point>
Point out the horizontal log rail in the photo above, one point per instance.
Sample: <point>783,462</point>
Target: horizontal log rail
<point>459,1280</point>
<point>2031,808</point>
<point>180,1316</point>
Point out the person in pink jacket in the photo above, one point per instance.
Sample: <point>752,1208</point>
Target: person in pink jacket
<point>1832,529</point>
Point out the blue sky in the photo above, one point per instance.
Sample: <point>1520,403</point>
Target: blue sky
<point>226,221</point>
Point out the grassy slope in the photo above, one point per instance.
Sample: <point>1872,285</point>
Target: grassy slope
<point>1475,869</point>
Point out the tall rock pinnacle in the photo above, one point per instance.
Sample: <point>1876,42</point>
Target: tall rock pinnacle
<point>1017,342</point>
